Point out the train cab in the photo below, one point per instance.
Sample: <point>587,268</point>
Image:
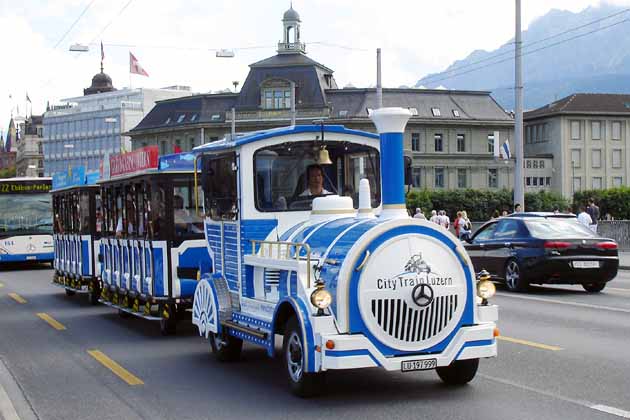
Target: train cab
<point>153,246</point>
<point>76,232</point>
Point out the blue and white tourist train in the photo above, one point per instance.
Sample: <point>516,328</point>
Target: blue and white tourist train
<point>309,238</point>
<point>77,228</point>
<point>152,247</point>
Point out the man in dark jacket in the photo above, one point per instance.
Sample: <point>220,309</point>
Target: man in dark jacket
<point>593,211</point>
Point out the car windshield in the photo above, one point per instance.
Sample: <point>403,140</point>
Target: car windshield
<point>558,229</point>
<point>25,213</point>
<point>289,176</point>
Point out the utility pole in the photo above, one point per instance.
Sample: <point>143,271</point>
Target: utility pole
<point>379,86</point>
<point>519,195</point>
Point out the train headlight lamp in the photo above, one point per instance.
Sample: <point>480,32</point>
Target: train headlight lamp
<point>486,289</point>
<point>321,298</point>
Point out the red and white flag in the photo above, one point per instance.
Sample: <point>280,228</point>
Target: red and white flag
<point>135,67</point>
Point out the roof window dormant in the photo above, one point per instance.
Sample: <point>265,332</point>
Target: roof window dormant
<point>436,112</point>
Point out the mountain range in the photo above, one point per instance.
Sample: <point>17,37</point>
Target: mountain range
<point>563,53</point>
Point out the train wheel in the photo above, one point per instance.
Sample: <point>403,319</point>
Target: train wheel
<point>303,384</point>
<point>95,292</point>
<point>225,349</point>
<point>123,314</point>
<point>168,321</point>
<point>70,292</point>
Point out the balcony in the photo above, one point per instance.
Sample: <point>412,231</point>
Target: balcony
<point>291,47</point>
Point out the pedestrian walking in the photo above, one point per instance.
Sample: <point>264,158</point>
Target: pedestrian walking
<point>443,220</point>
<point>457,222</point>
<point>593,211</point>
<point>584,218</point>
<point>419,214</point>
<point>434,217</point>
<point>465,229</point>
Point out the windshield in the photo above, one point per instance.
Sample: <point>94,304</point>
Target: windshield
<point>558,229</point>
<point>290,175</point>
<point>25,213</point>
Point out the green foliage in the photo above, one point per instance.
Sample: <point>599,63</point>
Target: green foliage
<point>480,204</point>
<point>7,173</point>
<point>613,201</point>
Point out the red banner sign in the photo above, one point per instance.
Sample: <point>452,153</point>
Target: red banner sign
<point>138,160</point>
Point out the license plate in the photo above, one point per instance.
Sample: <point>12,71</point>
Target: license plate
<point>411,365</point>
<point>31,257</point>
<point>585,264</point>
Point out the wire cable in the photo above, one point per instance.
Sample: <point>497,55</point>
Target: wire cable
<point>74,24</point>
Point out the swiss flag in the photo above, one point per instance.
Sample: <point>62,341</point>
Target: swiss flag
<point>135,67</point>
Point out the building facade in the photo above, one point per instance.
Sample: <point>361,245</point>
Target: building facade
<point>588,137</point>
<point>29,159</point>
<point>86,128</point>
<point>449,137</point>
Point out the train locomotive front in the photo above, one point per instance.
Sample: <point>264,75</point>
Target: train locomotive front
<point>347,285</point>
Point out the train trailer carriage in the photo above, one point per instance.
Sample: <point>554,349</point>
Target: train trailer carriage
<point>310,239</point>
<point>153,246</point>
<point>76,232</point>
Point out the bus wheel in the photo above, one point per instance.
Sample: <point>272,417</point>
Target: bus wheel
<point>94,294</point>
<point>123,314</point>
<point>459,372</point>
<point>301,383</point>
<point>70,292</point>
<point>225,349</point>
<point>168,320</point>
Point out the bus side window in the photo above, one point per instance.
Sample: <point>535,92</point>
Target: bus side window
<point>99,212</point>
<point>158,210</point>
<point>219,187</point>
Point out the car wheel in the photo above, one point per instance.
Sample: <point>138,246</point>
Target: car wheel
<point>303,384</point>
<point>460,372</point>
<point>226,348</point>
<point>594,287</point>
<point>514,278</point>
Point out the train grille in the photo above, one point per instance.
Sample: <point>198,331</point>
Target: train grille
<point>404,323</point>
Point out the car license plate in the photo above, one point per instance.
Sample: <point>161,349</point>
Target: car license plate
<point>585,264</point>
<point>411,365</point>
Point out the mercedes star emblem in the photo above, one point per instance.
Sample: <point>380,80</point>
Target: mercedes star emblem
<point>422,295</point>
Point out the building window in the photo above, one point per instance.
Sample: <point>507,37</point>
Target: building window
<point>181,118</point>
<point>276,98</point>
<point>541,181</point>
<point>438,142</point>
<point>439,177</point>
<point>596,130</point>
<point>597,183</point>
<point>536,133</point>
<point>462,178</point>
<point>415,142</point>
<point>493,178</point>
<point>548,181</point>
<point>528,163</point>
<point>436,112</point>
<point>616,158</point>
<point>416,177</point>
<point>596,158</point>
<point>528,181</point>
<point>577,183</point>
<point>576,158</point>
<point>616,130</point>
<point>528,134</point>
<point>461,143</point>
<point>541,164</point>
<point>617,181</point>
<point>575,130</point>
<point>535,164</point>
<point>456,113</point>
<point>491,143</point>
<point>535,181</point>
<point>545,132</point>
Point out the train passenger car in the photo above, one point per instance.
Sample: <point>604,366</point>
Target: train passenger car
<point>304,247</point>
<point>153,246</point>
<point>76,232</point>
<point>25,220</point>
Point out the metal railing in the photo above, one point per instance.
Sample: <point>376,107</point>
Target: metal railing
<point>284,251</point>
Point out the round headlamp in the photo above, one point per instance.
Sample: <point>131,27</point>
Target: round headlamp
<point>486,289</point>
<point>321,298</point>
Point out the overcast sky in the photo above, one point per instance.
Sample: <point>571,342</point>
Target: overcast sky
<point>417,37</point>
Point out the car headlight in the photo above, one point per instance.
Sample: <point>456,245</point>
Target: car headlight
<point>321,298</point>
<point>486,289</point>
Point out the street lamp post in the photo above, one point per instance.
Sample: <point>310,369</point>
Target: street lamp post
<point>572,179</point>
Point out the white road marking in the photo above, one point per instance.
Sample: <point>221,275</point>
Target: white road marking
<point>612,410</point>
<point>7,410</point>
<point>618,289</point>
<point>599,407</point>
<point>562,302</point>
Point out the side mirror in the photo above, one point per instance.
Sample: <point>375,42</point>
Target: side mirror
<point>408,178</point>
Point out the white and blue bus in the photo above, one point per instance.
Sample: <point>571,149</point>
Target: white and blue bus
<point>26,220</point>
<point>310,240</point>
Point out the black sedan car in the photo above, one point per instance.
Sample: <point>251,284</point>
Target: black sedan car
<point>538,248</point>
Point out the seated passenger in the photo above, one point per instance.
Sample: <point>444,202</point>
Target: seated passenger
<point>315,181</point>
<point>184,223</point>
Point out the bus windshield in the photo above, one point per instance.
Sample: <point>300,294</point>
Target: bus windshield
<point>25,214</point>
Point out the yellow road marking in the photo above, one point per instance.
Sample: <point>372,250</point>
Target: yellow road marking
<point>529,343</point>
<point>53,322</point>
<point>17,298</point>
<point>120,371</point>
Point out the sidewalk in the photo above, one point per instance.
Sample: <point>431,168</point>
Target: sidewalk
<point>624,260</point>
